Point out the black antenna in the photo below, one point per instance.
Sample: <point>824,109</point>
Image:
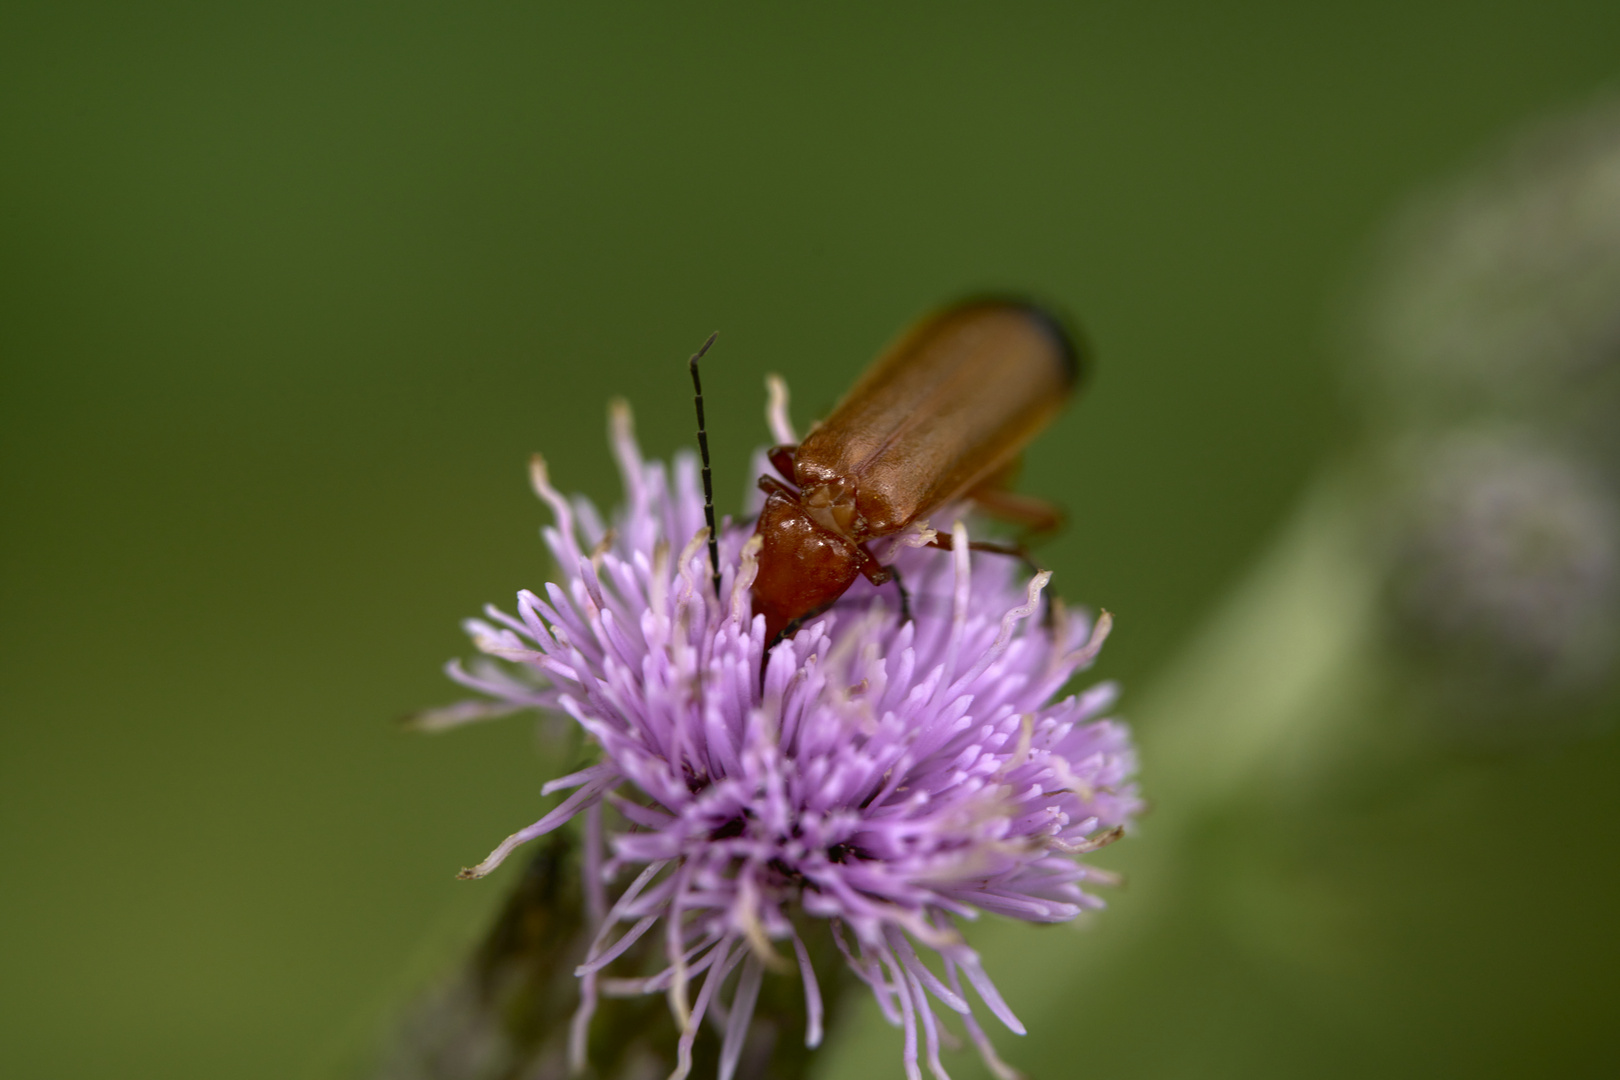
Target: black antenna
<point>703,452</point>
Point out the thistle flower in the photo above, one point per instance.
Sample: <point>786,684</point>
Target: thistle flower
<point>889,779</point>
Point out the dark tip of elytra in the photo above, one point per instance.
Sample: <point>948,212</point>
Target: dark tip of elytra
<point>1073,348</point>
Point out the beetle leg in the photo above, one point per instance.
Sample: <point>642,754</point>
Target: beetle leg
<point>870,568</point>
<point>770,485</point>
<point>793,628</point>
<point>782,459</point>
<point>1036,515</point>
<point>1012,551</point>
<point>878,574</point>
<point>905,597</point>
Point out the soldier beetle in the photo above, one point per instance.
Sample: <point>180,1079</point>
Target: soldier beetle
<point>941,416</point>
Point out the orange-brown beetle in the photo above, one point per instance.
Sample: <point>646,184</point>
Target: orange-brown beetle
<point>941,416</point>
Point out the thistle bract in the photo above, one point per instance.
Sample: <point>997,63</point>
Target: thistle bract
<point>889,778</point>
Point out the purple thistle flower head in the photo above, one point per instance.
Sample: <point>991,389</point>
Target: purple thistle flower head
<point>888,778</point>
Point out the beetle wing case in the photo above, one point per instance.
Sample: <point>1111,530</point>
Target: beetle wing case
<point>947,405</point>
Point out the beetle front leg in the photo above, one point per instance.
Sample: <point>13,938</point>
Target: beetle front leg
<point>905,597</point>
<point>870,568</point>
<point>782,459</point>
<point>770,485</point>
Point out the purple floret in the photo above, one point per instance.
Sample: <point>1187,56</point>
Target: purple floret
<point>889,778</point>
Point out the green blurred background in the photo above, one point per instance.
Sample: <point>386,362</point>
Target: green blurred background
<point>292,291</point>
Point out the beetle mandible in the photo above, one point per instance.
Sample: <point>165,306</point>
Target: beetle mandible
<point>941,415</point>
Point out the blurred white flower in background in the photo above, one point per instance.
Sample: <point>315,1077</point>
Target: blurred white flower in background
<point>1490,353</point>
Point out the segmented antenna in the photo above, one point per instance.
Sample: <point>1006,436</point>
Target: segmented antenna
<point>703,452</point>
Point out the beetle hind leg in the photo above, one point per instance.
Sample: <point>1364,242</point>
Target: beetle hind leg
<point>994,496</point>
<point>1037,516</point>
<point>1012,551</point>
